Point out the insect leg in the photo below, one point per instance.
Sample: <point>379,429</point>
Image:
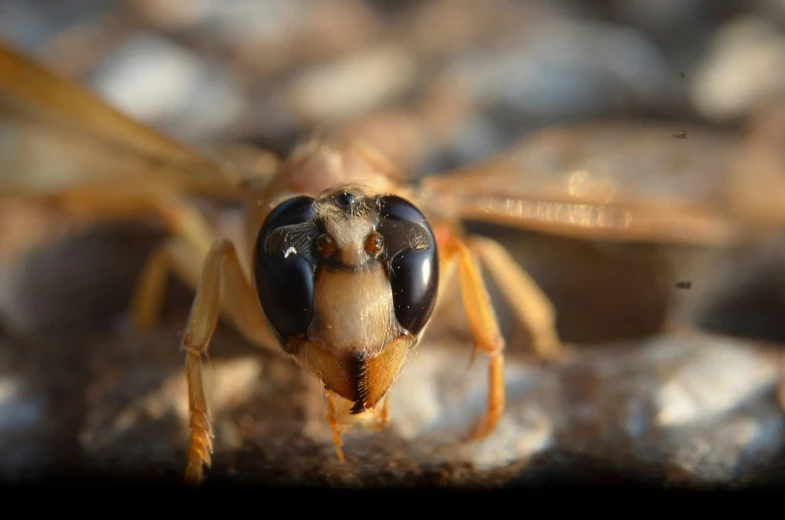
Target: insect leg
<point>378,417</point>
<point>335,426</point>
<point>485,328</point>
<point>149,291</point>
<point>240,305</point>
<point>531,306</point>
<point>222,270</point>
<point>139,198</point>
<point>340,418</point>
<point>183,253</point>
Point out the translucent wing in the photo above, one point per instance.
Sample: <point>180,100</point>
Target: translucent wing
<point>54,132</point>
<point>611,181</point>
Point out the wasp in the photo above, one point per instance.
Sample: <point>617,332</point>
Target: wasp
<point>342,262</point>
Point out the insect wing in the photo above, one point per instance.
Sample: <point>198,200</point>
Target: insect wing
<point>601,181</point>
<point>54,133</point>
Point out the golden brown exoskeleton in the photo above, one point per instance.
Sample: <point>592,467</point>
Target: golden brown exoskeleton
<point>342,262</point>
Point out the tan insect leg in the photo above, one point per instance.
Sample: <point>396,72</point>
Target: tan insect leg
<point>335,426</point>
<point>485,328</point>
<point>340,419</point>
<point>149,292</point>
<point>138,199</point>
<point>238,306</point>
<point>378,417</point>
<point>183,254</point>
<point>221,269</point>
<point>132,200</point>
<point>531,306</point>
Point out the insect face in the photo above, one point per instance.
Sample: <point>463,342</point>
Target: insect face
<point>348,282</point>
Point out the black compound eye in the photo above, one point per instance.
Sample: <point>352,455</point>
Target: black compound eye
<point>412,261</point>
<point>284,266</point>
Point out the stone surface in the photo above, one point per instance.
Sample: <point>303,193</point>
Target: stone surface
<point>738,74</point>
<point>684,409</point>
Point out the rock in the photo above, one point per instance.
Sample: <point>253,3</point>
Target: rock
<point>740,71</point>
<point>566,69</point>
<point>168,87</point>
<point>350,85</point>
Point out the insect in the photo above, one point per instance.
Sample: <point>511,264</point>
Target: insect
<point>342,263</point>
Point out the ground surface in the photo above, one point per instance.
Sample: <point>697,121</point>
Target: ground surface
<point>682,408</point>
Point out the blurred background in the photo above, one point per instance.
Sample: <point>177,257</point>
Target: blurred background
<point>453,81</point>
<point>435,85</point>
